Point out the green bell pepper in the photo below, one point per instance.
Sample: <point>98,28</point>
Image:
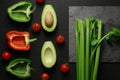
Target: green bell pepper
<point>21,11</point>
<point>20,68</point>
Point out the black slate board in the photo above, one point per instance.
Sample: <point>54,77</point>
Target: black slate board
<point>110,16</point>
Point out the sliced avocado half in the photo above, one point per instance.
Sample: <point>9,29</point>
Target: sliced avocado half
<point>48,54</point>
<point>48,18</point>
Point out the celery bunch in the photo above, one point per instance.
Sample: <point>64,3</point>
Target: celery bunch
<point>88,44</point>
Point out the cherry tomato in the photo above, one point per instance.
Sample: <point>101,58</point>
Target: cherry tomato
<point>40,1</point>
<point>64,68</point>
<point>44,76</point>
<point>36,27</point>
<point>6,55</point>
<point>60,39</point>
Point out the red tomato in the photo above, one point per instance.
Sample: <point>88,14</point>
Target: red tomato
<point>60,39</point>
<point>40,1</point>
<point>6,55</point>
<point>36,27</point>
<point>44,76</point>
<point>64,68</point>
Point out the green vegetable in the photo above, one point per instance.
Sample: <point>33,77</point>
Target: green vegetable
<point>20,68</point>
<point>95,70</point>
<point>87,49</point>
<point>77,50</point>
<point>48,54</point>
<point>21,11</point>
<point>113,35</point>
<point>80,49</point>
<point>49,18</point>
<point>87,60</point>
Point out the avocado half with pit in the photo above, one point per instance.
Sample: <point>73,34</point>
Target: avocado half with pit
<point>48,54</point>
<point>49,18</point>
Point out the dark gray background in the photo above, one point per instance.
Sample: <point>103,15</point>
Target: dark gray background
<point>110,15</point>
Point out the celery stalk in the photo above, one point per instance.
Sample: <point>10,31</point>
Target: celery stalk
<point>80,50</point>
<point>97,51</point>
<point>77,49</point>
<point>87,66</point>
<point>81,54</point>
<point>87,59</point>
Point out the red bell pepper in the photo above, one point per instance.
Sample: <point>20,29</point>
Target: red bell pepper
<point>19,40</point>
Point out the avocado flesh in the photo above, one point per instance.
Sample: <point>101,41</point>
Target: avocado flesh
<point>48,54</point>
<point>47,8</point>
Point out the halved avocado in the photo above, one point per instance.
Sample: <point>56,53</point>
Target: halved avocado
<point>48,54</point>
<point>48,18</point>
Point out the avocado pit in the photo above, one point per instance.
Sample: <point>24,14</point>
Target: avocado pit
<point>49,20</point>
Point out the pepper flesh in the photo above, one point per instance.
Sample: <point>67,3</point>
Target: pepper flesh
<point>19,40</point>
<point>20,68</point>
<point>21,11</point>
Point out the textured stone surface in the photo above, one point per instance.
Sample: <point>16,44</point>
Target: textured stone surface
<point>110,15</point>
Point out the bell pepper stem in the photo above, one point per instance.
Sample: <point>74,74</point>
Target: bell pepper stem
<point>29,11</point>
<point>32,40</point>
<point>33,69</point>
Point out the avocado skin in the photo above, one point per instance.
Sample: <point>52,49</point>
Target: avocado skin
<point>50,8</point>
<point>48,62</point>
